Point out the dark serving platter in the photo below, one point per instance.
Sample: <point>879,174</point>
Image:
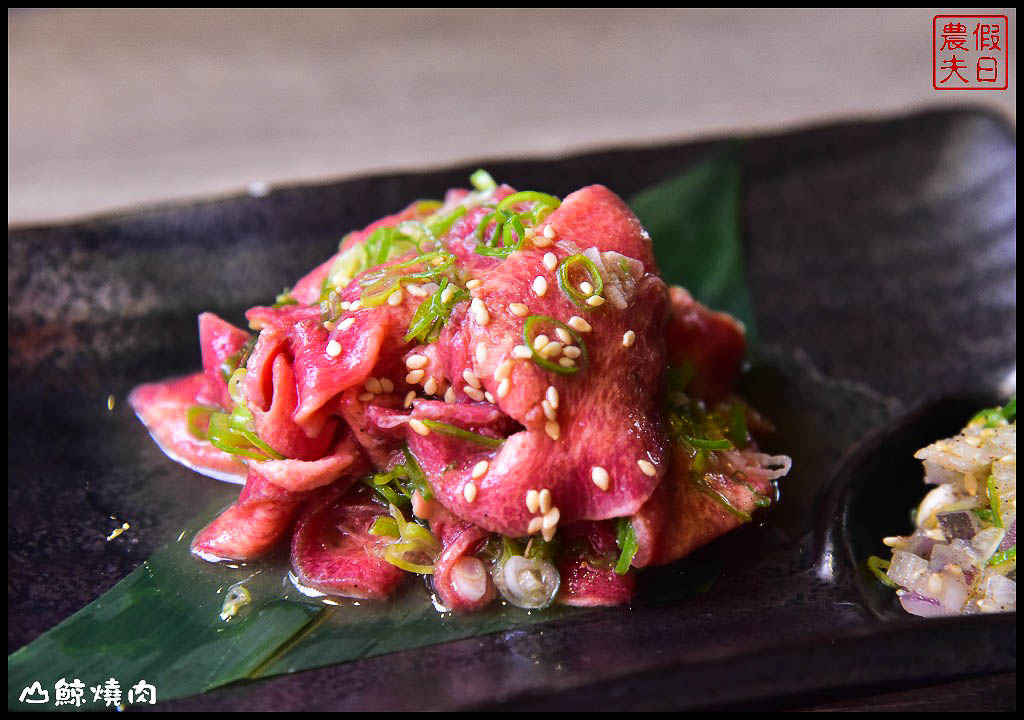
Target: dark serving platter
<point>882,262</point>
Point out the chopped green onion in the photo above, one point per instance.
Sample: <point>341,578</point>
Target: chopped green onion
<point>235,390</point>
<point>529,335</point>
<point>566,283</point>
<point>993,498</point>
<point>707,444</point>
<point>482,180</point>
<point>878,566</point>
<point>625,538</point>
<point>197,421</point>
<point>457,432</point>
<point>738,425</point>
<point>433,313</point>
<point>1009,555</point>
<point>703,486</point>
<point>539,200</point>
<point>285,298</point>
<point>984,514</point>
<point>1010,410</point>
<point>417,478</point>
<point>385,526</point>
<point>238,358</point>
<point>232,434</point>
<point>413,540</point>
<point>440,226</point>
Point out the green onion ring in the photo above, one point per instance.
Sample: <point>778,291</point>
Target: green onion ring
<point>528,337</point>
<point>578,298</point>
<point>197,421</point>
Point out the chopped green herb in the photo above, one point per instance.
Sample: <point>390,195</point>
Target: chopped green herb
<point>238,358</point>
<point>457,432</point>
<point>993,498</point>
<point>878,566</point>
<point>284,299</point>
<point>704,486</point>
<point>625,538</point>
<point>1009,555</point>
<point>572,290</point>
<point>738,425</point>
<point>529,334</point>
<point>433,313</point>
<point>482,180</point>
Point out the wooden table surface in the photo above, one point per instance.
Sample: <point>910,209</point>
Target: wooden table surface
<point>109,109</point>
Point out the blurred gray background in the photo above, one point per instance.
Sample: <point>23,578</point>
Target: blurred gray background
<point>109,109</point>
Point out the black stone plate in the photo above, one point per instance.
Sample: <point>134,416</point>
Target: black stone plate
<point>882,254</point>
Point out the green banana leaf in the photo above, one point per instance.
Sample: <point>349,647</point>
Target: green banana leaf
<point>163,624</point>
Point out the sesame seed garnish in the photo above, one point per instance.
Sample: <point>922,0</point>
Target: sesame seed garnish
<point>415,377</point>
<point>628,338</point>
<point>334,348</point>
<point>447,293</point>
<point>549,412</point>
<point>480,313</point>
<point>550,261</point>
<point>346,323</point>
<point>328,326</point>
<point>579,324</point>
<point>503,388</point>
<point>541,241</point>
<point>395,298</point>
<point>532,501</point>
<point>563,335</point>
<point>647,468</point>
<point>548,534</point>
<point>387,385</point>
<point>373,385</point>
<point>366,397</point>
<point>530,231</point>
<point>471,379</point>
<point>600,477</point>
<point>419,427</point>
<point>416,290</point>
<point>430,386</point>
<point>522,351</point>
<point>535,525</point>
<point>552,429</point>
<point>586,288</point>
<point>503,371</point>
<point>551,518</point>
<point>469,492</point>
<point>489,398</point>
<point>356,305</point>
<point>481,352</point>
<point>549,232</point>
<point>449,395</point>
<point>540,341</point>
<point>480,469</point>
<point>472,392</point>
<point>540,286</point>
<point>474,284</point>
<point>409,397</point>
<point>519,309</point>
<point>544,500</point>
<point>552,396</point>
<point>566,362</point>
<point>595,301</point>
<point>551,349</point>
<point>415,362</point>
<point>345,305</point>
<point>571,351</point>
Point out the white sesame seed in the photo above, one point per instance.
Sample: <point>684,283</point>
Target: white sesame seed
<point>544,500</point>
<point>345,305</point>
<point>356,305</point>
<point>474,284</point>
<point>647,468</point>
<point>365,397</point>
<point>541,241</point>
<point>503,371</point>
<point>532,501</point>
<point>535,525</point>
<point>628,338</point>
<point>415,377</point>
<point>449,395</point>
<point>550,261</point>
<point>551,349</point>
<point>472,392</point>
<point>334,348</point>
<point>430,386</point>
<point>566,362</point>
<point>480,469</point>
<point>549,232</point>
<point>551,518</point>
<point>600,477</point>
<point>373,385</point>
<point>416,290</point>
<point>346,323</point>
<point>503,388</point>
<point>519,309</point>
<point>540,286</point>
<point>480,313</point>
<point>586,288</point>
<point>419,427</point>
<point>396,297</point>
<point>552,396</point>
<point>409,397</point>
<point>540,341</point>
<point>489,398</point>
<point>387,385</point>
<point>552,429</point>
<point>595,301</point>
<point>415,362</point>
<point>563,335</point>
<point>522,351</point>
<point>530,231</point>
<point>471,379</point>
<point>328,326</point>
<point>481,352</point>
<point>548,533</point>
<point>469,492</point>
<point>549,412</point>
<point>571,351</point>
<point>579,324</point>
<point>447,293</point>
